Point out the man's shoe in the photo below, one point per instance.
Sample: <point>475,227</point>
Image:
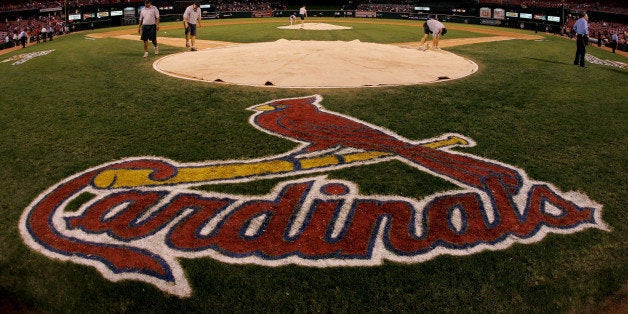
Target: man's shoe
<point>193,49</point>
<point>187,44</point>
<point>156,50</point>
<point>145,54</point>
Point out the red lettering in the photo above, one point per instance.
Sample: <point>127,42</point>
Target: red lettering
<point>118,258</point>
<point>272,240</point>
<point>524,225</point>
<point>125,223</point>
<point>186,234</point>
<point>297,221</point>
<point>540,196</point>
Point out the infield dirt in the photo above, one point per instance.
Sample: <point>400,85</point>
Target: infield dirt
<point>317,64</point>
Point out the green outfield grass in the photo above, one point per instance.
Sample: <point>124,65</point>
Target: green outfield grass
<point>91,102</point>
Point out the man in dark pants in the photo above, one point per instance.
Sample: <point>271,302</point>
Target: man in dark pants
<point>191,17</point>
<point>614,40</point>
<point>149,25</point>
<point>23,36</point>
<point>581,28</point>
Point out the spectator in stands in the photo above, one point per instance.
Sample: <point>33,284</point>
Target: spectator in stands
<point>581,28</point>
<point>16,40</point>
<point>44,33</point>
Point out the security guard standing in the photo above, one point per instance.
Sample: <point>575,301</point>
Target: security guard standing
<point>581,28</point>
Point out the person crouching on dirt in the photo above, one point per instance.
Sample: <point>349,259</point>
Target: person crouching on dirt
<point>434,27</point>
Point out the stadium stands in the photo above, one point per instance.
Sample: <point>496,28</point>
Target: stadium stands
<point>601,6</point>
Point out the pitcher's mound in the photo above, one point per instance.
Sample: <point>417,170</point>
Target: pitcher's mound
<point>316,64</point>
<point>314,26</point>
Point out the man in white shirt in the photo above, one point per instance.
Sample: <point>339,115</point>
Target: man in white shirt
<point>614,41</point>
<point>149,25</point>
<point>22,37</point>
<point>302,14</point>
<point>434,27</point>
<point>191,16</point>
<point>581,28</point>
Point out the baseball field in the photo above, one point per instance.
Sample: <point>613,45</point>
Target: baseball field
<point>129,188</point>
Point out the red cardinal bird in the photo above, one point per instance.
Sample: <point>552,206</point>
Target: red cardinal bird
<point>304,120</point>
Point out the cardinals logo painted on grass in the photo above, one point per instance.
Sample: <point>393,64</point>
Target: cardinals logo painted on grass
<point>136,218</point>
<point>22,58</point>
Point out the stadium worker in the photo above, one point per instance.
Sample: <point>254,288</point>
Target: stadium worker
<point>581,28</point>
<point>23,38</point>
<point>149,25</point>
<point>302,14</point>
<point>191,18</point>
<point>434,27</point>
<point>614,41</point>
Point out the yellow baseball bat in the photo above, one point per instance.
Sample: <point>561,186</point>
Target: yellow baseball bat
<point>128,178</point>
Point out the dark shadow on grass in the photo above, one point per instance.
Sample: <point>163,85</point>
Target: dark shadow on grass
<point>619,71</point>
<point>547,61</point>
<point>10,302</point>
